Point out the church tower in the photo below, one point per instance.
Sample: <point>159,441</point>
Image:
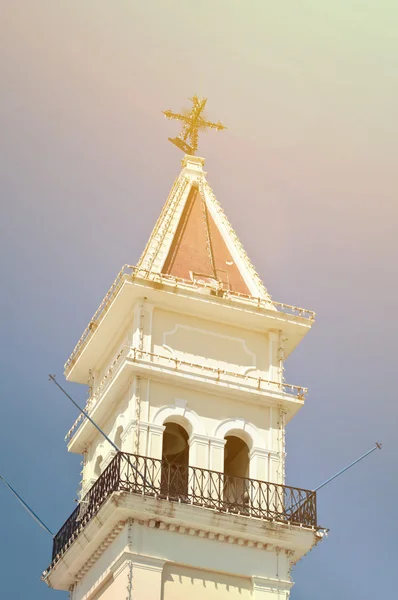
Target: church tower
<point>184,359</point>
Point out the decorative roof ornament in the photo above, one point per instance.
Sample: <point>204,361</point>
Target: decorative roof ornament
<point>193,120</point>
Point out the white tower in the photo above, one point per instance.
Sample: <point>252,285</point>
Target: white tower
<point>184,358</point>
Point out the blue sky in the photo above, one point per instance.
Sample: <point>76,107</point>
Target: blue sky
<point>307,175</point>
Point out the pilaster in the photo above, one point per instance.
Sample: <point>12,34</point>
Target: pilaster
<point>216,454</point>
<point>275,468</point>
<point>259,464</point>
<point>270,589</point>
<point>273,339</point>
<point>137,577</point>
<point>199,451</point>
<point>155,440</point>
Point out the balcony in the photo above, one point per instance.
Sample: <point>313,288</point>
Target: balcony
<point>210,490</point>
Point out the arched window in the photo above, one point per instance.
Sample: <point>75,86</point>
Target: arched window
<point>118,437</point>
<point>97,467</point>
<point>175,457</point>
<point>236,472</point>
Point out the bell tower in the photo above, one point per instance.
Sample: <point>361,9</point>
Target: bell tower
<point>184,359</point>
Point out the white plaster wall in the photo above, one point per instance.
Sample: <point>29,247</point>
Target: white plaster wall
<point>208,419</point>
<point>98,579</point>
<point>144,563</point>
<point>109,354</point>
<point>211,409</point>
<point>207,342</point>
<point>181,582</point>
<point>118,418</point>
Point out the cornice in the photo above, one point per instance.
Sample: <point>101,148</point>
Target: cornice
<point>100,550</point>
<point>152,563</point>
<point>122,509</point>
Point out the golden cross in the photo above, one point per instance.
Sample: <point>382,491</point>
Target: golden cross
<point>193,122</point>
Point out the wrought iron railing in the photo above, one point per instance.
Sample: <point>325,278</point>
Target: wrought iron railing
<point>189,485</point>
<point>259,383</point>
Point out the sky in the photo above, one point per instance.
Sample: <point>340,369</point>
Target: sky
<point>306,172</point>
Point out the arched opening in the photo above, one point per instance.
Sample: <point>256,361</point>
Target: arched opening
<point>97,466</point>
<point>118,437</point>
<point>175,457</point>
<point>236,472</point>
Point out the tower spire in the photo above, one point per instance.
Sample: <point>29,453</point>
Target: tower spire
<point>193,120</point>
<point>193,239</point>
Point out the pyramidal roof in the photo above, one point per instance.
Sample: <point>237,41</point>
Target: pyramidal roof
<point>193,239</point>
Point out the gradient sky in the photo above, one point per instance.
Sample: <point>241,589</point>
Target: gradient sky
<point>307,173</point>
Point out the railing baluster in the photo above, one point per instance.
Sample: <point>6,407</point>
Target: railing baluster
<point>179,483</point>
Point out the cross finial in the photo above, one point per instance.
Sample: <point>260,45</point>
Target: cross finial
<point>193,122</point>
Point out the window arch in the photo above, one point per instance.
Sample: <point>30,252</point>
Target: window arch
<point>240,428</point>
<point>175,461</point>
<point>97,466</point>
<point>118,436</point>
<point>236,473</point>
<point>182,415</point>
<point>236,457</point>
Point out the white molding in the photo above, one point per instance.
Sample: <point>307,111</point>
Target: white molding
<point>154,428</point>
<point>196,438</point>
<point>121,508</point>
<point>169,349</point>
<point>261,452</point>
<point>248,429</point>
<point>270,584</point>
<point>242,341</point>
<point>235,247</point>
<point>180,403</point>
<point>147,563</point>
<point>180,414</point>
<point>149,307</point>
<point>119,422</point>
<point>128,429</point>
<point>249,369</point>
<point>164,249</point>
<point>240,261</point>
<point>119,565</point>
<point>217,442</point>
<point>159,243</point>
<point>107,459</point>
<point>270,429</point>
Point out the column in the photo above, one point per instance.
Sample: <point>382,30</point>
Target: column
<point>258,473</point>
<point>216,454</point>
<point>216,463</point>
<point>155,440</point>
<point>273,338</point>
<point>155,444</point>
<point>198,475</point>
<point>259,464</point>
<point>147,578</point>
<point>138,578</point>
<point>274,467</point>
<point>199,451</point>
<point>147,332</point>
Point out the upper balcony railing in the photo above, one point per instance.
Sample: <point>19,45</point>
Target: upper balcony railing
<point>178,364</point>
<point>174,364</point>
<point>192,486</point>
<point>130,273</point>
